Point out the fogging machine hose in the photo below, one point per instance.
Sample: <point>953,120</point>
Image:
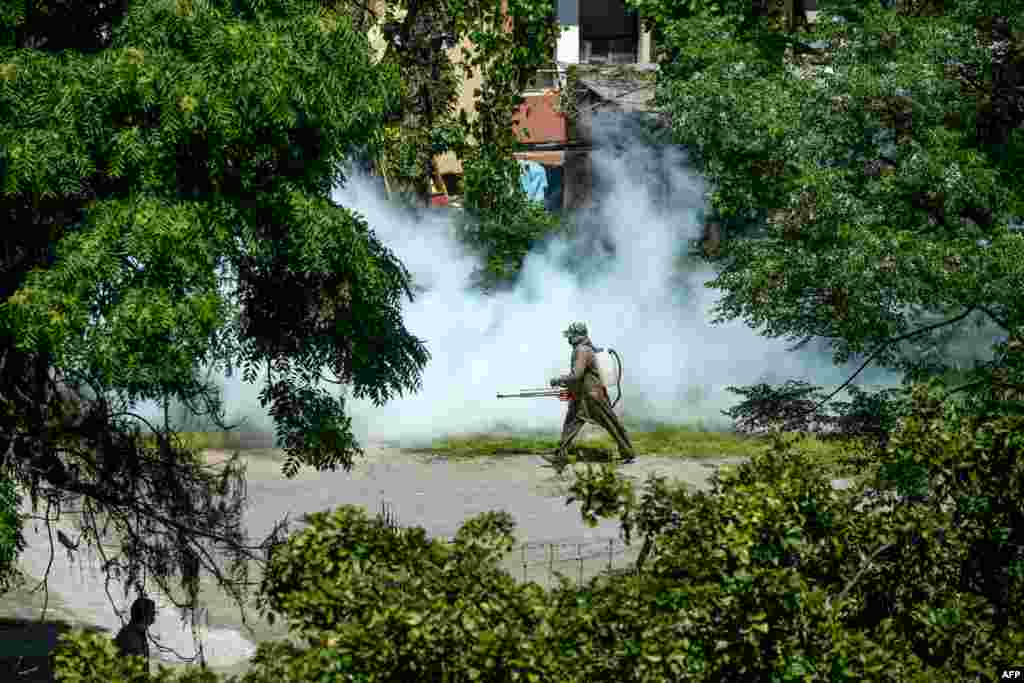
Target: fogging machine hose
<point>618,380</point>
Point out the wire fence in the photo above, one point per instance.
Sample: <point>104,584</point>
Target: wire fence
<point>579,560</point>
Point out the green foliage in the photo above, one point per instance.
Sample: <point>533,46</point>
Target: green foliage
<point>86,657</point>
<point>166,170</point>
<point>971,461</point>
<point>500,223</point>
<point>864,172</point>
<point>510,43</point>
<point>423,112</point>
<point>12,542</point>
<point>866,179</point>
<point>771,575</point>
<point>797,406</point>
<point>202,110</point>
<point>506,41</point>
<point>776,567</point>
<point>425,610</point>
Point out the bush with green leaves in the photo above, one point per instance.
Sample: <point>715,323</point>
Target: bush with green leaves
<point>500,224</point>
<point>89,657</point>
<point>772,574</point>
<point>12,542</point>
<point>865,173</point>
<point>401,605</point>
<point>778,572</point>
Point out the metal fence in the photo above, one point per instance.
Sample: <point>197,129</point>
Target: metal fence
<point>579,560</point>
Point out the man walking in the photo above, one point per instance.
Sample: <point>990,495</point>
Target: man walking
<point>590,401</point>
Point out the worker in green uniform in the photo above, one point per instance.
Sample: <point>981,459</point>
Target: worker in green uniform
<point>590,402</point>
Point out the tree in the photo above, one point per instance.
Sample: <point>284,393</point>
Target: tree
<point>506,41</point>
<point>12,542</point>
<point>771,575</point>
<point>866,173</point>
<point>867,176</point>
<point>500,222</point>
<point>418,34</point>
<point>166,171</point>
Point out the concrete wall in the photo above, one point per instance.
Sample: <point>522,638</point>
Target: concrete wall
<point>448,162</point>
<point>538,116</point>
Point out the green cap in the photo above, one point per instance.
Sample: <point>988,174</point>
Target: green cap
<point>575,330</point>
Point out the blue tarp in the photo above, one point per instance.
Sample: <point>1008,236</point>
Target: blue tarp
<point>534,180</point>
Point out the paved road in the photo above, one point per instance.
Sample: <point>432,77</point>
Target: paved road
<point>439,494</point>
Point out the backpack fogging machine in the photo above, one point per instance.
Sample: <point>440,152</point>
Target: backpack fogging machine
<point>565,394</point>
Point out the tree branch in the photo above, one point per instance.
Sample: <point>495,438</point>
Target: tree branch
<point>996,319</point>
<point>881,347</point>
<point>128,413</point>
<point>860,572</point>
<point>49,565</point>
<point>980,382</point>
<point>100,496</point>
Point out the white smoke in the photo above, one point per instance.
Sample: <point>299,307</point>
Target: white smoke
<point>633,299</point>
<point>620,276</point>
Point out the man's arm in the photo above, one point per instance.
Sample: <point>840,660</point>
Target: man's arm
<point>583,356</point>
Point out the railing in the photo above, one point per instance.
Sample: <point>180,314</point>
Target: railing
<point>524,556</point>
<point>545,79</point>
<point>609,50</point>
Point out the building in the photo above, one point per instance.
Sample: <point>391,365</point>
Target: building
<point>598,36</point>
<point>613,60</point>
<point>596,32</point>
<point>604,43</point>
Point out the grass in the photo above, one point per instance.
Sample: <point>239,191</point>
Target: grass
<point>658,439</point>
<point>650,439</point>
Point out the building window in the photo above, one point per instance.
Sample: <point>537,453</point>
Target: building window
<point>609,32</point>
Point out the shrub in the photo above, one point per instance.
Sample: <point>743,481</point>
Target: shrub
<point>770,575</point>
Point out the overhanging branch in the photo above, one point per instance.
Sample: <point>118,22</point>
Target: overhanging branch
<point>884,345</point>
<point>995,318</point>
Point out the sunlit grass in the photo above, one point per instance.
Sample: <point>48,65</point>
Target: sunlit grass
<point>650,438</point>
<point>657,439</point>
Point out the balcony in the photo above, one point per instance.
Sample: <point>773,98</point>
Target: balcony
<point>614,50</point>
<point>544,81</point>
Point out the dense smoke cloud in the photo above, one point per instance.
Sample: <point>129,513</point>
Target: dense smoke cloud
<point>621,275</point>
